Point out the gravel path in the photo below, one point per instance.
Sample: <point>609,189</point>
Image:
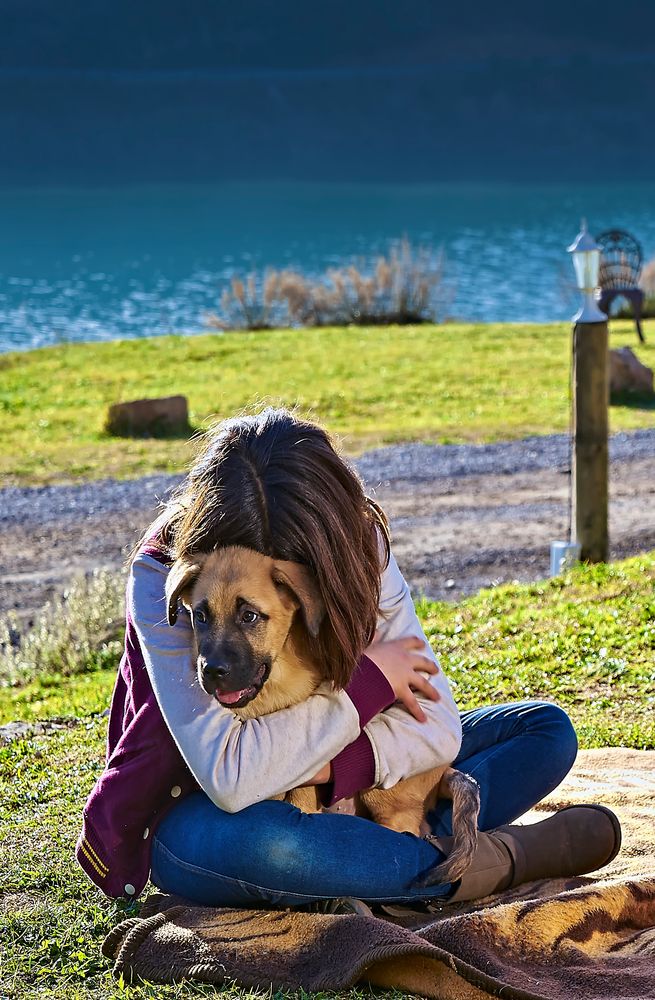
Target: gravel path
<point>422,463</point>
<point>463,516</point>
<point>412,463</point>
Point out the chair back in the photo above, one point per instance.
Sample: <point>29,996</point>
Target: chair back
<point>620,260</point>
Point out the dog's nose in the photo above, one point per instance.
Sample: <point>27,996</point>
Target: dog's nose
<point>215,671</point>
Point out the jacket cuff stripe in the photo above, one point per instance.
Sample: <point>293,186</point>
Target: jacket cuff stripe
<point>92,862</point>
<point>89,848</point>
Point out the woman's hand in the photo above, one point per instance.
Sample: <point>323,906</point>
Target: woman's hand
<point>405,667</point>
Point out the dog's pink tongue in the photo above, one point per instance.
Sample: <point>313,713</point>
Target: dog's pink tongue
<point>230,697</point>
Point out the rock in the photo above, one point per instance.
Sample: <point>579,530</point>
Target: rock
<point>149,417</point>
<point>627,373</point>
<point>25,730</point>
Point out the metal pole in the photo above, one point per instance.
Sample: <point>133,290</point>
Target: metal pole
<point>590,429</point>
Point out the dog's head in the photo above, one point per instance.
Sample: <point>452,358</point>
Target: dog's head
<point>242,607</point>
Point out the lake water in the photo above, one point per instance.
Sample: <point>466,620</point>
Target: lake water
<point>101,264</point>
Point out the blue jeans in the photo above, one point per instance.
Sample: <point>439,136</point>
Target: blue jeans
<point>271,853</point>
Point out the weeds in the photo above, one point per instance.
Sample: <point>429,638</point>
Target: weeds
<point>625,310</point>
<point>647,285</point>
<point>647,279</point>
<point>249,304</point>
<point>405,286</point>
<point>76,633</point>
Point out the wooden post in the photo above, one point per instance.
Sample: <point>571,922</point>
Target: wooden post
<point>590,428</point>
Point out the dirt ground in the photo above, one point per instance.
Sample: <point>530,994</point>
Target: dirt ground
<point>451,536</point>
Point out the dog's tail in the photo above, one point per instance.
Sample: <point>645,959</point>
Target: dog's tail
<point>464,792</point>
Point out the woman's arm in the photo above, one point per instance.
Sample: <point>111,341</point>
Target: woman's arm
<point>235,762</point>
<point>406,739</point>
<point>401,745</point>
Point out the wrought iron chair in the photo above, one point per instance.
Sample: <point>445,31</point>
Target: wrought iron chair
<point>620,266</point>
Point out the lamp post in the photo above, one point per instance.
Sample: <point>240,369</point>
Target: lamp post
<point>590,407</point>
<point>585,254</point>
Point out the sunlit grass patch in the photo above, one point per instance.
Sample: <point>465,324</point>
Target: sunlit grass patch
<point>369,386</point>
<point>585,640</point>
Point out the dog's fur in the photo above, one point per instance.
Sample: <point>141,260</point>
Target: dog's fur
<point>256,655</point>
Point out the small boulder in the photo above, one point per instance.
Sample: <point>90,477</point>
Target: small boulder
<point>167,415</point>
<point>628,374</point>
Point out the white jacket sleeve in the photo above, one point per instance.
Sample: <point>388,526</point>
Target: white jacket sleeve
<point>237,763</point>
<point>402,746</point>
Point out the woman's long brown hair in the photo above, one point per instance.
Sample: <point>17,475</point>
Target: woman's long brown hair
<point>275,483</point>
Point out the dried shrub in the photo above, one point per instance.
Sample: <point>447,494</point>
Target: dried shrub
<point>248,304</point>
<point>75,633</point>
<point>647,279</point>
<point>623,310</point>
<point>406,285</point>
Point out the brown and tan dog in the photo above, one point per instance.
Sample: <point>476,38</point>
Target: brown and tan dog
<point>254,619</point>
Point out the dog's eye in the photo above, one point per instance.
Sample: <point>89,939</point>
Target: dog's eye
<point>249,617</point>
<point>199,617</point>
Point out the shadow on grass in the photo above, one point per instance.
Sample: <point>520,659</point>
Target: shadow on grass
<point>155,431</point>
<point>633,400</point>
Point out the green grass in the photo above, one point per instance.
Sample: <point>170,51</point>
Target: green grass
<point>451,383</point>
<point>585,640</point>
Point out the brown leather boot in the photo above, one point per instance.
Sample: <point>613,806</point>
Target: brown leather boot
<point>576,840</point>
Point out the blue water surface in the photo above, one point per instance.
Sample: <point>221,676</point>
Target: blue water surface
<point>101,264</point>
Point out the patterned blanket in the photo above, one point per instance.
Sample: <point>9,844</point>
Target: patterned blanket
<point>576,939</point>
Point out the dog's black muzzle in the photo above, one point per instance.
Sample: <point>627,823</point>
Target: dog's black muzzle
<point>231,676</point>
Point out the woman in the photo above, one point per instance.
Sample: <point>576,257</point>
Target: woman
<point>186,793</point>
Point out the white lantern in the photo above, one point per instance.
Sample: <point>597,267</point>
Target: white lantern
<point>586,261</point>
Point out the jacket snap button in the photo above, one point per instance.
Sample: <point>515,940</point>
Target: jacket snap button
<point>176,791</point>
<point>129,889</point>
<point>146,832</point>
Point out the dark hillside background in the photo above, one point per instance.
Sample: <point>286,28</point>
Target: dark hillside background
<point>107,91</point>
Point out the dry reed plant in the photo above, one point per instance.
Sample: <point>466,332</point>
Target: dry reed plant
<point>248,304</point>
<point>623,309</point>
<point>647,279</point>
<point>407,285</point>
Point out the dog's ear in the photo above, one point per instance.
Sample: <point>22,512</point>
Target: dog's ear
<point>302,584</point>
<point>182,574</point>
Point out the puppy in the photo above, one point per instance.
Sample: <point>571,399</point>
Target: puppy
<point>255,622</point>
